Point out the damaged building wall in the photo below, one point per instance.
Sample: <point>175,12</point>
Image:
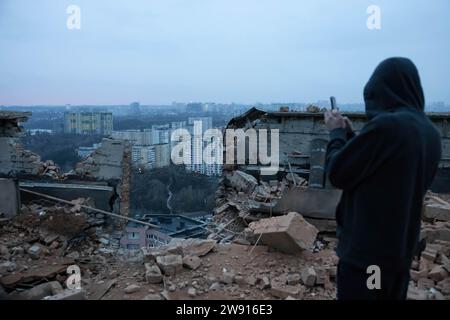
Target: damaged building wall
<point>9,197</point>
<point>14,159</point>
<point>298,129</point>
<point>111,162</point>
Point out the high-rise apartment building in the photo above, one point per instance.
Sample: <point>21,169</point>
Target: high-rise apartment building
<point>197,127</point>
<point>88,122</point>
<point>152,156</point>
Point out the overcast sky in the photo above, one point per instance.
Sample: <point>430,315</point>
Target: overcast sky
<point>159,51</point>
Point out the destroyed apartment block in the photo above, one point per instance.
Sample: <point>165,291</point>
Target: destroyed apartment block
<point>300,185</point>
<point>271,237</point>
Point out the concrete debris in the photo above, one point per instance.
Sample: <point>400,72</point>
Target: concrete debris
<point>242,181</point>
<point>7,266</point>
<point>36,250</point>
<point>41,291</point>
<point>309,276</point>
<point>192,262</point>
<point>153,273</point>
<point>296,179</point>
<point>106,162</point>
<point>192,246</point>
<point>72,294</point>
<point>228,276</point>
<point>132,288</point>
<point>430,274</point>
<point>437,211</point>
<point>312,108</point>
<point>192,292</point>
<point>438,273</point>
<point>290,233</point>
<point>153,296</point>
<point>293,279</point>
<point>170,264</point>
<point>263,282</point>
<point>242,199</point>
<point>283,291</point>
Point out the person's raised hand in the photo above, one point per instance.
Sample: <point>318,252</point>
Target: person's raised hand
<point>348,124</point>
<point>334,120</point>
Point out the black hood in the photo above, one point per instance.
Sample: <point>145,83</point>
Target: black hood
<point>394,84</point>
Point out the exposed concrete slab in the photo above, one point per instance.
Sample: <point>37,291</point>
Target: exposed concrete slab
<point>290,233</point>
<point>313,203</point>
<point>9,197</point>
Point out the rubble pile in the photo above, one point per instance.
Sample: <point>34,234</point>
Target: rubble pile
<point>430,273</point>
<point>241,199</point>
<point>51,170</point>
<point>204,269</point>
<point>15,159</point>
<point>36,252</point>
<point>37,246</point>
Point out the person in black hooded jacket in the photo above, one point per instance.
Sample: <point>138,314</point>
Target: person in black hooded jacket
<point>384,173</point>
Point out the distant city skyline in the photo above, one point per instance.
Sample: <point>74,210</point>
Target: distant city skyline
<point>223,51</point>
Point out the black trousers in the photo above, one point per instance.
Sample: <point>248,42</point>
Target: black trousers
<point>352,284</point>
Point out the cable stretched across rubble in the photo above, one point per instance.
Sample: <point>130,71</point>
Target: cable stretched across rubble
<point>89,208</point>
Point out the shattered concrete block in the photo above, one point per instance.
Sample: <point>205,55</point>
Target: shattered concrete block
<point>332,271</point>
<point>293,278</point>
<point>42,290</point>
<point>152,273</point>
<point>4,252</point>
<point>170,264</point>
<point>195,247</point>
<point>242,181</point>
<point>222,208</point>
<point>132,288</point>
<point>74,294</point>
<point>321,276</point>
<point>174,249</point>
<point>309,276</point>
<point>192,292</point>
<point>425,283</point>
<point>416,294</point>
<point>7,266</point>
<point>73,255</point>
<point>444,286</point>
<point>284,291</point>
<point>35,251</point>
<point>251,280</point>
<point>240,280</point>
<point>228,276</point>
<point>445,262</point>
<point>429,253</point>
<point>290,233</point>
<point>416,275</point>
<point>192,262</point>
<point>150,254</point>
<point>438,273</point>
<point>48,239</point>
<point>54,245</point>
<point>263,282</point>
<point>215,286</point>
<point>437,211</point>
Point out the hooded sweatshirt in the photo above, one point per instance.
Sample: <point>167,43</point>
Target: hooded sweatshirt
<point>384,171</point>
